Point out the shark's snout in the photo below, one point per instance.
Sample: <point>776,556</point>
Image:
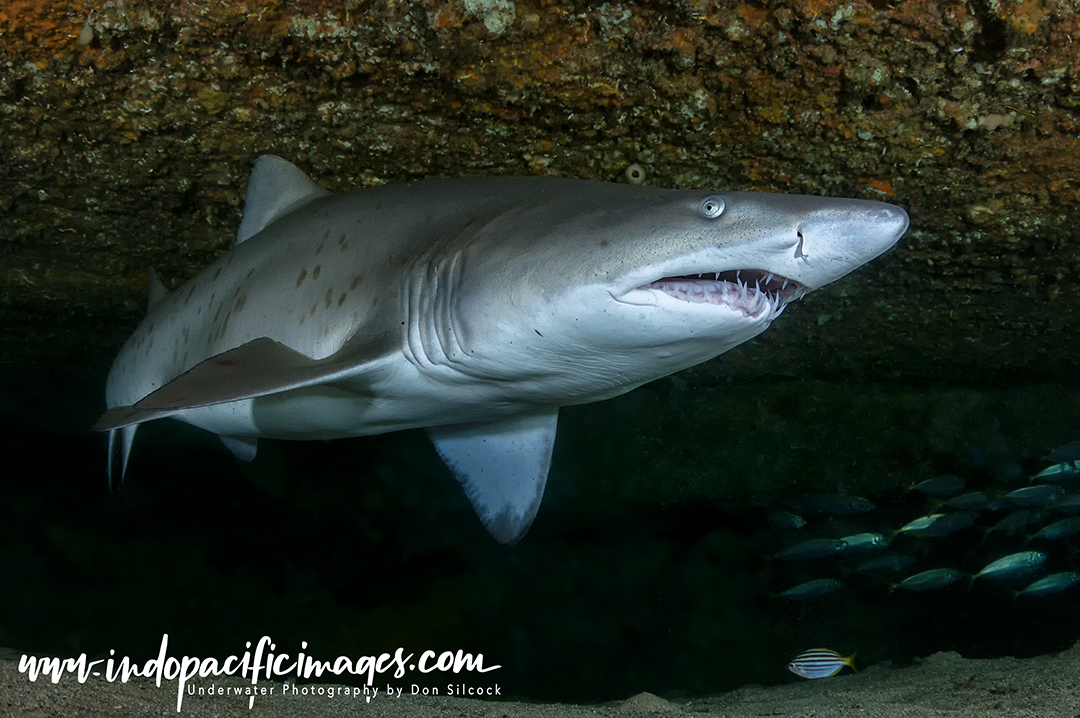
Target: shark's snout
<point>883,227</point>
<point>843,236</point>
<point>893,220</point>
<point>832,238</point>
<point>874,224</point>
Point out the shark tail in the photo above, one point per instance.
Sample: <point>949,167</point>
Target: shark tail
<point>120,441</point>
<point>122,437</point>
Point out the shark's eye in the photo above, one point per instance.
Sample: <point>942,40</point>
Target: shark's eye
<point>712,207</point>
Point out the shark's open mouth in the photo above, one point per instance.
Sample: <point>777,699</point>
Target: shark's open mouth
<point>749,291</point>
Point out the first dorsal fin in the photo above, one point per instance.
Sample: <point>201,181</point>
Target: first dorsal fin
<point>276,188</point>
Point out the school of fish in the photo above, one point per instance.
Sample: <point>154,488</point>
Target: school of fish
<point>1028,526</point>
<point>1039,520</point>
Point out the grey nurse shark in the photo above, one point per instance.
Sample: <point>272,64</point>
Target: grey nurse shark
<point>474,308</point>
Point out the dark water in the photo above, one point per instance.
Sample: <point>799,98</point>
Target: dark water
<point>647,569</point>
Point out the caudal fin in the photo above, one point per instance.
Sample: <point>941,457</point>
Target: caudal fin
<point>120,441</point>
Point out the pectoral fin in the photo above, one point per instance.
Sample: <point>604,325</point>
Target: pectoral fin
<point>257,368</point>
<point>502,466</point>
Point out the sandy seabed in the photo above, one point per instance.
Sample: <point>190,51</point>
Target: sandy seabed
<point>944,684</point>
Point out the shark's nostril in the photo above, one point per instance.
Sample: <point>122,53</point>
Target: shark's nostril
<point>799,252</point>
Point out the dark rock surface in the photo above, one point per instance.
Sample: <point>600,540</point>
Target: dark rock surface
<point>130,128</point>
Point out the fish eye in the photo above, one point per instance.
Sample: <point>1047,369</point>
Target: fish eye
<point>712,207</point>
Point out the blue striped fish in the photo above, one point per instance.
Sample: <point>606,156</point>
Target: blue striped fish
<point>821,663</point>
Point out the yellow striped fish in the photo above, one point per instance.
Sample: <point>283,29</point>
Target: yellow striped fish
<point>821,663</point>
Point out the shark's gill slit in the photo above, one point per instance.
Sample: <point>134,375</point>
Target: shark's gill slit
<point>747,290</point>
